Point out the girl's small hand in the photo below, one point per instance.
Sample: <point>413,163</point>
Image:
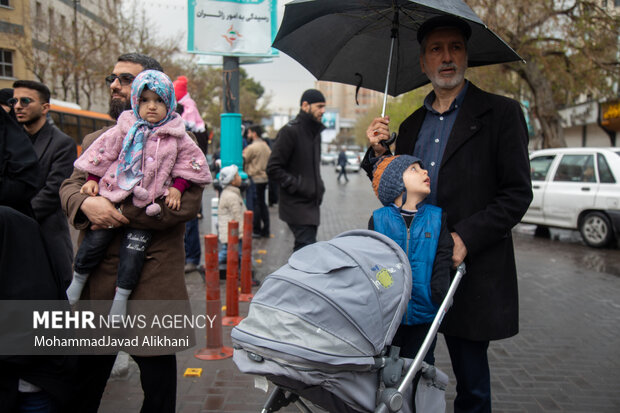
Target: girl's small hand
<point>90,188</point>
<point>173,200</point>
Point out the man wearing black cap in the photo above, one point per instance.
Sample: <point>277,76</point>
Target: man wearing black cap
<point>5,95</point>
<point>295,164</point>
<point>474,145</point>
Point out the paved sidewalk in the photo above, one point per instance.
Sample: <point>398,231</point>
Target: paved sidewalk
<point>565,359</point>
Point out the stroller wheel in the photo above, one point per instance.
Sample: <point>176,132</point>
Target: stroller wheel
<point>280,398</point>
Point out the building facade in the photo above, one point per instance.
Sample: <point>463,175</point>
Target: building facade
<point>52,41</point>
<point>14,32</point>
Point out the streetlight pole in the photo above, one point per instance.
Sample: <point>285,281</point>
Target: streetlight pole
<point>75,51</point>
<point>230,137</point>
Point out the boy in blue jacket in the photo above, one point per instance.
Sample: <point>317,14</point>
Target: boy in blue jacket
<point>401,184</point>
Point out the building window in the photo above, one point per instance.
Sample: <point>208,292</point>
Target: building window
<point>38,15</point>
<point>51,19</point>
<point>6,63</point>
<point>4,3</point>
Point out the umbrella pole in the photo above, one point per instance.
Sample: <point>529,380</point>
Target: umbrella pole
<point>387,80</point>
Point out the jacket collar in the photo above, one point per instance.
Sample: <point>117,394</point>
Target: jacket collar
<point>307,120</point>
<point>44,137</point>
<point>232,188</point>
<point>468,120</point>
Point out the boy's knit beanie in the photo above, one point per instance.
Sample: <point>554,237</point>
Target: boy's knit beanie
<point>387,177</point>
<point>227,174</point>
<point>180,87</point>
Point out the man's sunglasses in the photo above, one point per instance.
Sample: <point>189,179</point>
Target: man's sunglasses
<point>124,78</point>
<point>24,101</point>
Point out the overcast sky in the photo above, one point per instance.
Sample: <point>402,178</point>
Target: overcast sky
<point>284,78</point>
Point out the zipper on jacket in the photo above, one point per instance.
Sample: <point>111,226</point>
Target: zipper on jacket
<point>408,232</point>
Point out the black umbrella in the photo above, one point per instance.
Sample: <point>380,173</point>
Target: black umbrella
<point>352,41</point>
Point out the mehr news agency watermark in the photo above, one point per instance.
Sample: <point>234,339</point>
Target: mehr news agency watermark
<point>51,327</point>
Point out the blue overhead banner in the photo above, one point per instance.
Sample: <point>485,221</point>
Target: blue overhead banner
<point>232,27</point>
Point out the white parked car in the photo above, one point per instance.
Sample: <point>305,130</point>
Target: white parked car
<point>577,188</point>
<point>329,158</point>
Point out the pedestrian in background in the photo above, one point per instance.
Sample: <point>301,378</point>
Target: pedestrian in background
<point>230,208</point>
<point>194,123</point>
<point>255,158</point>
<point>474,145</point>
<point>295,165</point>
<point>342,164</point>
<point>56,152</point>
<point>273,188</point>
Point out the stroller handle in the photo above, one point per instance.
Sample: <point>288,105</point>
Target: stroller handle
<point>391,402</point>
<point>443,309</point>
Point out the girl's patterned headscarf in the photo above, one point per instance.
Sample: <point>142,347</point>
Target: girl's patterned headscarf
<point>129,171</point>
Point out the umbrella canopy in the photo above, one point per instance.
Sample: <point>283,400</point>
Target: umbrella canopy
<point>348,41</point>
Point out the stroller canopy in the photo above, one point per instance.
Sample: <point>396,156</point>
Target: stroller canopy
<point>337,302</point>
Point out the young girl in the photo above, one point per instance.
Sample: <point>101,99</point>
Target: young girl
<point>147,155</point>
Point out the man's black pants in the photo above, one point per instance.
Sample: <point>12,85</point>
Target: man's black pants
<point>158,376</point>
<point>261,212</point>
<point>304,235</point>
<point>473,379</point>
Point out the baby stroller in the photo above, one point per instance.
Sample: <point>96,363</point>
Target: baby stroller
<point>320,328</point>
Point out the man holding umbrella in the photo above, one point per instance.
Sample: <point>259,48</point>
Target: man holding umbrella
<point>474,145</point>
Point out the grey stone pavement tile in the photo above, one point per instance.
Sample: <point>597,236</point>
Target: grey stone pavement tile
<point>566,357</point>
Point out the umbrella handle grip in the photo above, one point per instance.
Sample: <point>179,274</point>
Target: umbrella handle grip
<point>386,143</point>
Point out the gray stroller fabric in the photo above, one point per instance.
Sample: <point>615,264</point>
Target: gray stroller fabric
<point>430,395</point>
<point>344,391</point>
<point>317,323</point>
<point>337,302</point>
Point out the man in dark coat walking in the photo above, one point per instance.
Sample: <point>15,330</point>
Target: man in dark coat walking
<point>342,163</point>
<point>295,163</point>
<point>474,145</point>
<point>56,152</point>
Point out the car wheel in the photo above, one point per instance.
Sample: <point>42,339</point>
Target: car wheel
<point>542,232</point>
<point>596,230</point>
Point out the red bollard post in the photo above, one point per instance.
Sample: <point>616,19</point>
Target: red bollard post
<point>246,258</point>
<point>232,276</point>
<point>214,349</point>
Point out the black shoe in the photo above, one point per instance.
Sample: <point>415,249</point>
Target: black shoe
<point>255,282</point>
<point>255,235</point>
